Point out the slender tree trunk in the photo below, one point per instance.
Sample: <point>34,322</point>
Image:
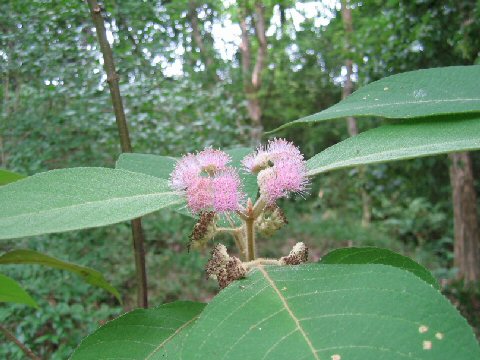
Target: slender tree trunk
<point>351,121</point>
<point>252,78</point>
<point>467,241</point>
<point>112,79</point>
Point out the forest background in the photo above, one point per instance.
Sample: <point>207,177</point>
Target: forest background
<point>220,73</point>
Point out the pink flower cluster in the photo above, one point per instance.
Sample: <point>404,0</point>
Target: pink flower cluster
<point>281,169</point>
<point>210,184</point>
<point>207,181</point>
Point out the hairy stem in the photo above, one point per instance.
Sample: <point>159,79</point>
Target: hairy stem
<point>250,230</point>
<point>259,206</point>
<point>9,335</point>
<point>240,243</point>
<point>237,236</point>
<point>261,261</point>
<point>112,79</point>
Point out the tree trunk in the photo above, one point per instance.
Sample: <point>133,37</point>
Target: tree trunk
<point>467,241</point>
<point>351,121</point>
<point>252,78</point>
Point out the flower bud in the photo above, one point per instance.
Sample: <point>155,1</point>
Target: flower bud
<point>298,255</point>
<point>271,220</point>
<point>224,268</point>
<point>203,231</point>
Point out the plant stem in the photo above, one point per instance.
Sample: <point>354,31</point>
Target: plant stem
<point>9,335</point>
<point>112,79</point>
<point>259,206</point>
<point>261,261</point>
<point>249,223</point>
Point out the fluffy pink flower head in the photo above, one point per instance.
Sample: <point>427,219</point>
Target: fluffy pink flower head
<point>207,181</point>
<point>280,167</point>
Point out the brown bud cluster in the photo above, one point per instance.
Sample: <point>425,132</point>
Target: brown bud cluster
<point>298,255</point>
<point>272,219</point>
<point>223,267</point>
<point>203,231</point>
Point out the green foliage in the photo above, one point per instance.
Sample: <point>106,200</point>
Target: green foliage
<point>70,199</point>
<point>11,291</point>
<point>372,255</point>
<point>9,176</point>
<point>405,140</point>
<point>55,114</point>
<point>414,94</point>
<point>32,257</point>
<point>303,312</point>
<point>142,334</point>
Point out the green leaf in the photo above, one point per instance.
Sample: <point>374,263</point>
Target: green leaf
<point>406,140</point>
<point>141,334</point>
<point>317,311</point>
<point>155,165</point>
<point>373,255</point>
<point>7,176</point>
<point>11,291</point>
<point>89,275</point>
<point>79,198</point>
<point>447,90</point>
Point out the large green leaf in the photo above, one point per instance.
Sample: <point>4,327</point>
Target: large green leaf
<point>11,291</point>
<point>141,334</point>
<point>78,198</point>
<point>316,311</point>
<point>313,311</point>
<point>26,256</point>
<point>447,90</point>
<point>7,176</point>
<point>373,255</point>
<point>406,140</point>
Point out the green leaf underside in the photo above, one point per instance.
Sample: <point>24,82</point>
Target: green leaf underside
<point>7,176</point>
<point>79,198</point>
<point>162,166</point>
<point>406,140</point>
<point>32,257</point>
<point>155,165</point>
<point>373,255</point>
<point>316,311</point>
<point>11,291</point>
<point>420,93</point>
<point>141,334</point>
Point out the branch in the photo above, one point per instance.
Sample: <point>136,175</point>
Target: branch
<point>112,79</point>
<point>9,335</point>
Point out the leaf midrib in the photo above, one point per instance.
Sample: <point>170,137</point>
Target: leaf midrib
<point>380,105</point>
<point>90,203</point>
<point>289,311</point>
<point>164,342</point>
<point>351,161</point>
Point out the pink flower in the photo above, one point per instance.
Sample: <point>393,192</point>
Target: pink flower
<point>226,194</point>
<point>281,169</point>
<point>207,181</point>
